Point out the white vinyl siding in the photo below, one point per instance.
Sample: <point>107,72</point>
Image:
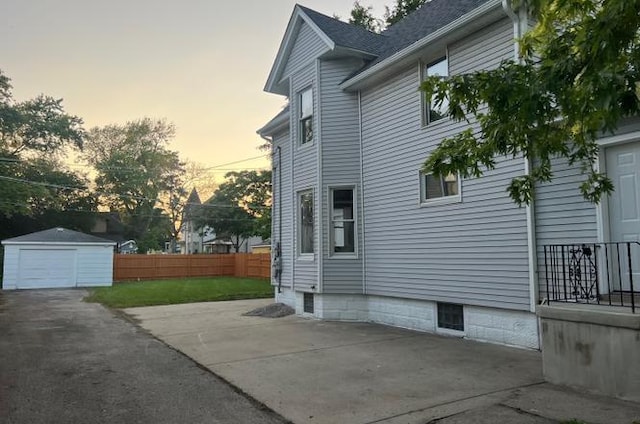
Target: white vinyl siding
<point>340,168</point>
<point>304,177</point>
<point>474,252</point>
<point>306,48</point>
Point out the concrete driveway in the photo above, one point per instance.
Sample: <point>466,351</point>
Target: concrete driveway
<point>327,372</point>
<point>65,361</point>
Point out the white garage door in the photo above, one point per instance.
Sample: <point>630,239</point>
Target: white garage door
<point>41,268</point>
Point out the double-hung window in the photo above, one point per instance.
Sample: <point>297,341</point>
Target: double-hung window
<point>306,116</point>
<point>343,224</point>
<point>439,189</point>
<point>431,112</point>
<point>305,223</point>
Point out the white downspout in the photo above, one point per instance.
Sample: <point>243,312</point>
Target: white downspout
<point>519,27</point>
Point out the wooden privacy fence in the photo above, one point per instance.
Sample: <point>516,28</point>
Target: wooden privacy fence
<point>156,267</point>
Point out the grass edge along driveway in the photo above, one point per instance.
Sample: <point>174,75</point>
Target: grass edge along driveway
<point>183,290</point>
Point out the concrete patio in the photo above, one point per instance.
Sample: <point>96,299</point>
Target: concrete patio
<point>328,372</point>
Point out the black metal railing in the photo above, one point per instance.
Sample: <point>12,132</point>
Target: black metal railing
<point>597,273</point>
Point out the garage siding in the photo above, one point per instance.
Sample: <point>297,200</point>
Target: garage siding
<point>10,268</point>
<point>95,266</point>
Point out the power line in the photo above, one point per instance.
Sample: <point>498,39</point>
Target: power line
<point>123,168</point>
<point>104,193</point>
<point>132,214</point>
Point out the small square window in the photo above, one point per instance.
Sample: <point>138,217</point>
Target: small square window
<point>307,303</point>
<point>451,316</point>
<point>432,187</point>
<point>432,113</point>
<point>306,116</point>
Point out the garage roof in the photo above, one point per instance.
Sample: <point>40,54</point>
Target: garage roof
<point>58,235</point>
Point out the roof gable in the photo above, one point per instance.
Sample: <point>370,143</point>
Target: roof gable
<point>333,33</point>
<point>58,235</point>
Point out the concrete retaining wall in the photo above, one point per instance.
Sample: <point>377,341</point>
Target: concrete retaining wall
<point>592,348</point>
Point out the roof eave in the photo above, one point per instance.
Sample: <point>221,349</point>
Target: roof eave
<point>275,125</point>
<point>59,243</point>
<point>359,80</point>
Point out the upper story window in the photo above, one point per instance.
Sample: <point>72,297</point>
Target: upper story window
<point>439,189</point>
<point>431,112</point>
<point>305,222</point>
<point>343,224</point>
<point>306,116</point>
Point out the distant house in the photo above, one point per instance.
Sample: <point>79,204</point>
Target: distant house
<point>108,226</point>
<point>128,247</point>
<point>192,233</point>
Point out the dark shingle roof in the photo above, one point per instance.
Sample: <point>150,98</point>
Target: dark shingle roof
<point>59,235</point>
<point>429,18</point>
<point>347,35</point>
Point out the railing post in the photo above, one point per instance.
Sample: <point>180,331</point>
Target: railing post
<point>564,274</point>
<point>633,301</point>
<point>596,271</point>
<point>546,274</point>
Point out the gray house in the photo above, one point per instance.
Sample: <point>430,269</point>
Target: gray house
<point>361,234</point>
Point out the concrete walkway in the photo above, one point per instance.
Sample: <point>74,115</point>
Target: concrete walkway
<point>327,372</point>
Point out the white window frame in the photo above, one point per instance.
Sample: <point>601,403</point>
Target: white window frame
<point>332,253</point>
<point>426,103</point>
<point>301,254</point>
<point>302,118</point>
<point>455,198</point>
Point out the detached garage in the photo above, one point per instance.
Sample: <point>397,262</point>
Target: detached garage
<point>57,258</point>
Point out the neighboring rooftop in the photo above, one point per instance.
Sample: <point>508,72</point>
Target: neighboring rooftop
<point>58,235</point>
<point>193,203</point>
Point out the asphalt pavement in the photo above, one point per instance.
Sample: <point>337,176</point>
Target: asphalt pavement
<point>65,361</point>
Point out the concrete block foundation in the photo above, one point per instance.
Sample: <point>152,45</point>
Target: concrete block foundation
<point>501,326</point>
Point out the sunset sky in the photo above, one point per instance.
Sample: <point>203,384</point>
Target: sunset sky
<point>200,64</point>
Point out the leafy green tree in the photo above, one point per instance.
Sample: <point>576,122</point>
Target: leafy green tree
<point>400,10</point>
<point>36,190</point>
<point>45,195</point>
<point>363,17</point>
<point>135,172</point>
<point>34,126</point>
<point>577,78</point>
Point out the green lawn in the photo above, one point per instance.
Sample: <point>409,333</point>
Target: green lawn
<point>187,290</point>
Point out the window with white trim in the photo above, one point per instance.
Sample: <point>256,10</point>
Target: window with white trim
<point>433,189</point>
<point>305,222</point>
<point>343,224</point>
<point>431,112</point>
<point>306,116</point>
